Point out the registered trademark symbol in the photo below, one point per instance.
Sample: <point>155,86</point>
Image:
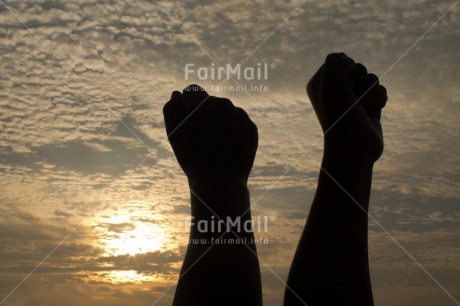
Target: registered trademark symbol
<point>272,65</point>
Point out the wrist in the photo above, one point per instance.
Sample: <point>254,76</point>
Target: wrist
<point>219,197</point>
<point>216,182</point>
<point>348,155</point>
<point>348,173</point>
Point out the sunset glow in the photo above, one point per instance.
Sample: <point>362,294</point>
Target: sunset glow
<point>142,239</point>
<point>93,203</point>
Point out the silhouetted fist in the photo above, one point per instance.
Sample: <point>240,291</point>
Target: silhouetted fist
<point>211,138</point>
<point>348,102</point>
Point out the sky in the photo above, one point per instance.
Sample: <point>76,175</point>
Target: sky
<point>92,201</point>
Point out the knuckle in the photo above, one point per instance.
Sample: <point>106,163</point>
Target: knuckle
<point>225,102</point>
<point>334,57</point>
<point>340,60</point>
<point>360,68</point>
<point>372,80</point>
<point>241,111</point>
<point>383,96</point>
<point>192,88</point>
<point>372,77</point>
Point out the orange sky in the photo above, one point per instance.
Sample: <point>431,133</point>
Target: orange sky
<point>92,201</point>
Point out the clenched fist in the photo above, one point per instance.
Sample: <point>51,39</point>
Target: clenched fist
<point>212,139</point>
<point>348,102</point>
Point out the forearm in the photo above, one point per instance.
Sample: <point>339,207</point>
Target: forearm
<point>220,266</point>
<point>331,262</point>
<point>339,209</point>
<point>344,182</point>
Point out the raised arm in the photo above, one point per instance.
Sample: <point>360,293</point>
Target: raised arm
<point>215,144</point>
<point>331,265</point>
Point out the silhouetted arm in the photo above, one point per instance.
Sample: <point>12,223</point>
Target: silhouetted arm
<point>331,265</point>
<point>228,273</point>
<point>215,147</point>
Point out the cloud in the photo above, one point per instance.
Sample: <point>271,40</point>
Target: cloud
<point>81,97</point>
<point>120,227</point>
<point>60,213</point>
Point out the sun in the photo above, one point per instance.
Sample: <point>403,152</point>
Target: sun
<point>126,235</point>
<point>135,238</point>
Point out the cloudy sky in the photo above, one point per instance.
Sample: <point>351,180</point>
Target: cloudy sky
<point>92,202</point>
